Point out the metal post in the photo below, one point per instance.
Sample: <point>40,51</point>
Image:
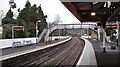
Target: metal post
<point>49,32</point>
<point>88,32</point>
<point>73,29</point>
<point>36,30</point>
<point>13,34</point>
<point>81,29</point>
<point>59,32</point>
<point>73,26</point>
<point>65,30</point>
<point>118,33</point>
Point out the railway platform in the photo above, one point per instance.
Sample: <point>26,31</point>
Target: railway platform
<point>17,51</point>
<point>109,59</point>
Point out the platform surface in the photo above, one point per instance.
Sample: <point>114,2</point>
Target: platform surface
<point>112,56</point>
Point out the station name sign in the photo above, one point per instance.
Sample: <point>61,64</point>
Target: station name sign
<point>18,28</point>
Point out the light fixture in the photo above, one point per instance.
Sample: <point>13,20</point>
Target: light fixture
<point>93,13</point>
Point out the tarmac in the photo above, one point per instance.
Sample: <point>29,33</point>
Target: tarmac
<point>109,59</point>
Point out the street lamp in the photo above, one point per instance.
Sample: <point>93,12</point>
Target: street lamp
<point>37,26</point>
<point>37,29</point>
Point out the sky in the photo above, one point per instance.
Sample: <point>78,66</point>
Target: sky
<point>51,8</point>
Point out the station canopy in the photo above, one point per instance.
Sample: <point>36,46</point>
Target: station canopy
<point>104,11</point>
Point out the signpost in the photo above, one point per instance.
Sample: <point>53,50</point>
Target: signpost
<point>16,28</point>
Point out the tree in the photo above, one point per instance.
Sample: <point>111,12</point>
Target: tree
<point>40,14</point>
<point>32,16</point>
<point>42,18</point>
<point>28,16</point>
<point>57,19</point>
<point>8,18</point>
<point>9,14</point>
<point>23,15</point>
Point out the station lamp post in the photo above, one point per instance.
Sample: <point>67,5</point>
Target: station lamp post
<point>39,21</point>
<point>37,29</point>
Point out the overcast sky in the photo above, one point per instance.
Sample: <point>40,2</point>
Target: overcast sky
<point>51,8</point>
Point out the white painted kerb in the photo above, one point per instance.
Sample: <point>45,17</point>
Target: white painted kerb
<point>30,50</point>
<point>88,56</point>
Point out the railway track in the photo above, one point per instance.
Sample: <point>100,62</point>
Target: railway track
<point>69,57</point>
<point>63,54</point>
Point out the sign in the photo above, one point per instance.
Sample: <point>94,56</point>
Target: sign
<point>18,28</point>
<point>113,26</point>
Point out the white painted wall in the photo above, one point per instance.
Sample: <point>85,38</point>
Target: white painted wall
<point>4,43</point>
<point>54,37</point>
